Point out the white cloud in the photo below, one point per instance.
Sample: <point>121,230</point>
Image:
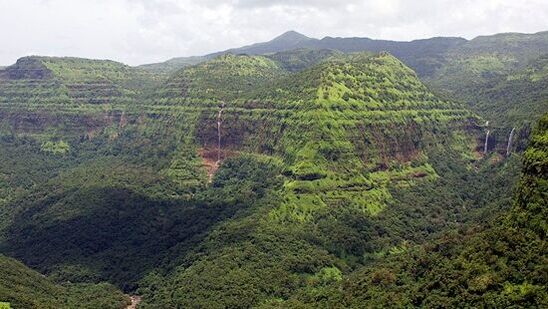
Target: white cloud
<point>141,31</point>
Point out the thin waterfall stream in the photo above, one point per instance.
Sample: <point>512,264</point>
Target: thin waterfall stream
<point>486,142</point>
<point>509,146</point>
<point>219,122</point>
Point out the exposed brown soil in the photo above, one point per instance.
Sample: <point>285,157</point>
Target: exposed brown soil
<point>135,300</point>
<point>209,159</point>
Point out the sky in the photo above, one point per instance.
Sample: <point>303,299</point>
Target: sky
<point>146,31</point>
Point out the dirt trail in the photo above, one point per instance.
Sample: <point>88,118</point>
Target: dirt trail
<point>135,300</point>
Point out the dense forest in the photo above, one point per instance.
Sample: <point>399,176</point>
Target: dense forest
<point>296,173</point>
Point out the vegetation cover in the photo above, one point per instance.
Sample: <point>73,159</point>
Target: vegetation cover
<point>308,177</point>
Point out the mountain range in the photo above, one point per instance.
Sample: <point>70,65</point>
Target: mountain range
<point>296,173</point>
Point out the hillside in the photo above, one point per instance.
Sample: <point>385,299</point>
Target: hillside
<point>72,81</point>
<point>332,203</point>
<point>501,266</point>
<point>490,74</point>
<point>478,72</point>
<point>25,288</point>
<point>243,180</point>
<point>519,97</point>
<point>225,78</point>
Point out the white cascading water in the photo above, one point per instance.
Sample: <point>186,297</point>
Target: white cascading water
<point>509,146</point>
<point>219,121</point>
<point>486,142</point>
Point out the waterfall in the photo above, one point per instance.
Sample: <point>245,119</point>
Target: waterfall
<point>508,148</point>
<point>486,142</point>
<point>219,121</point>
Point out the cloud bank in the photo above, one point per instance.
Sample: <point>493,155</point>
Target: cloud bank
<point>143,31</point>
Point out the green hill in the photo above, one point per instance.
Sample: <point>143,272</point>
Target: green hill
<point>500,76</point>
<point>360,135</point>
<point>517,98</point>
<point>300,59</point>
<point>240,181</point>
<point>25,288</point>
<point>224,78</point>
<point>503,265</point>
<point>64,81</point>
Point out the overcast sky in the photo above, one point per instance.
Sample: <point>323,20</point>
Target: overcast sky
<point>144,31</point>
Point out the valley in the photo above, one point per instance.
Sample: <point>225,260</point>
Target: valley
<point>295,173</point>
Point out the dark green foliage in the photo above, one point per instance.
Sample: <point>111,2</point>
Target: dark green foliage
<point>300,59</point>
<point>501,266</point>
<point>107,222</point>
<point>25,288</point>
<point>530,209</point>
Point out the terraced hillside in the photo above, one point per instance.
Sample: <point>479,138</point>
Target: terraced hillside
<point>234,182</point>
<point>347,141</point>
<point>341,111</point>
<point>45,80</point>
<point>499,76</point>
<point>503,265</point>
<point>471,71</point>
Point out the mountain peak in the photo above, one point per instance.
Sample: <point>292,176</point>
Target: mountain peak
<point>291,36</point>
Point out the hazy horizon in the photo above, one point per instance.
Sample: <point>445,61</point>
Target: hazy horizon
<point>140,32</point>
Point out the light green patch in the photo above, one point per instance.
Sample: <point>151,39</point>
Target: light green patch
<point>56,148</point>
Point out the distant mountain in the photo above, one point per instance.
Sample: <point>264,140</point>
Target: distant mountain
<point>173,64</point>
<point>422,55</point>
<point>425,56</point>
<point>502,77</point>
<point>287,41</point>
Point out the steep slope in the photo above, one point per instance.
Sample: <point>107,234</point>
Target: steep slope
<point>486,72</point>
<point>517,98</point>
<point>346,126</point>
<point>64,81</point>
<point>358,131</point>
<point>313,175</point>
<point>502,266</point>
<point>25,288</point>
